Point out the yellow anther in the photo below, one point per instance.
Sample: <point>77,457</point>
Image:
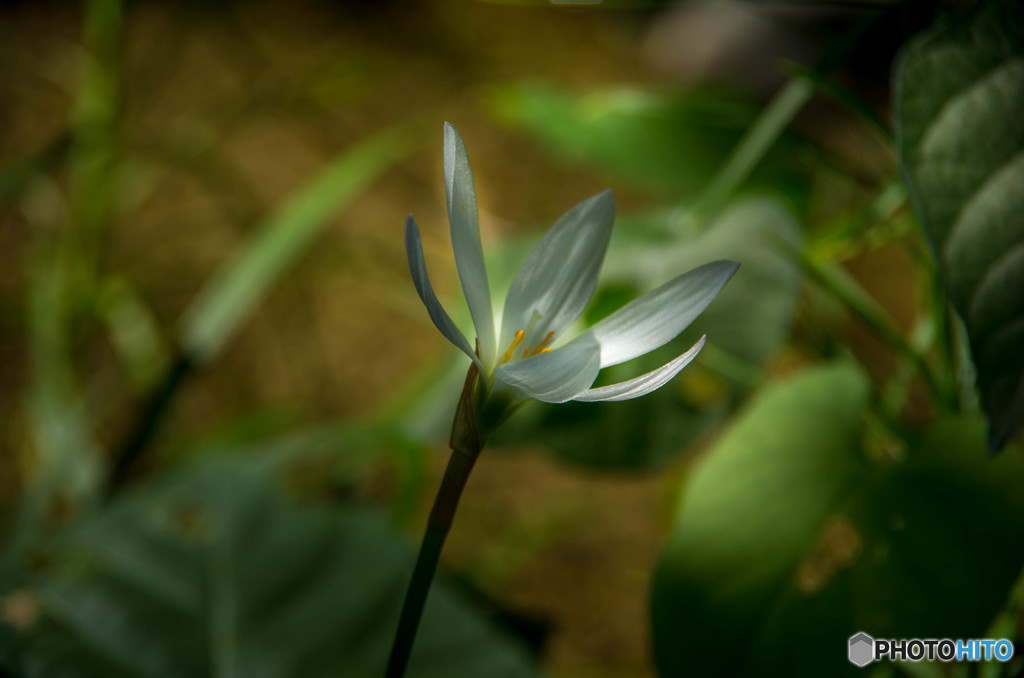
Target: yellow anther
<point>540,347</point>
<point>515,342</point>
<point>546,350</point>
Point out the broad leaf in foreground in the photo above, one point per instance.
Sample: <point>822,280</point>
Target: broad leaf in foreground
<point>789,539</point>
<point>217,573</point>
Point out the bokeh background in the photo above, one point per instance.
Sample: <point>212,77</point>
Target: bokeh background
<point>224,411</point>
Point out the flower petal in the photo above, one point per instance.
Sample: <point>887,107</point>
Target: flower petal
<point>418,268</point>
<point>558,278</point>
<point>642,385</point>
<point>660,315</point>
<point>553,377</point>
<point>465,230</point>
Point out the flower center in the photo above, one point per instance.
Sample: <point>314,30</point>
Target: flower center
<point>520,334</point>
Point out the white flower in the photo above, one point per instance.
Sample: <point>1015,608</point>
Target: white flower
<point>550,291</point>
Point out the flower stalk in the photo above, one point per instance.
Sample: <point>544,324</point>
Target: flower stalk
<point>466,445</point>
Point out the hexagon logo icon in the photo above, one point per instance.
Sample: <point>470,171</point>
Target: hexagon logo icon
<point>862,649</point>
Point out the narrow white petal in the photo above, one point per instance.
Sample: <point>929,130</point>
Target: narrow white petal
<point>558,278</point>
<point>659,316</point>
<point>418,268</point>
<point>553,377</point>
<point>465,230</point>
<point>642,385</point>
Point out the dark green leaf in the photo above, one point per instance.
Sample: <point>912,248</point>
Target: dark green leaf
<point>789,540</point>
<point>959,103</point>
<point>216,573</point>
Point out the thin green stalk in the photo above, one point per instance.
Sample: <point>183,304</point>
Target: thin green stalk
<point>466,447</point>
<point>841,95</point>
<point>753,146</point>
<point>145,426</point>
<point>862,306</point>
<point>774,119</point>
<point>942,314</point>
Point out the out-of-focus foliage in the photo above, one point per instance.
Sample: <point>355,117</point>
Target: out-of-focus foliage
<point>668,141</point>
<point>796,531</point>
<point>960,115</point>
<point>215,571</point>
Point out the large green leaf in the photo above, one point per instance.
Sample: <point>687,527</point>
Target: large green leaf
<point>745,326</point>
<point>217,573</point>
<point>959,104</point>
<point>789,539</point>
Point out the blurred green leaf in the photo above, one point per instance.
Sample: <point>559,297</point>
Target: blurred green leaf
<point>746,325</point>
<point>236,289</point>
<point>789,539</point>
<point>960,131</point>
<point>751,317</point>
<point>215,572</point>
<point>328,458</point>
<point>672,141</point>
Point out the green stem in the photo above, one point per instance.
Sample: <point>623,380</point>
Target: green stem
<point>752,147</point>
<point>840,95</point>
<point>862,306</point>
<point>145,426</point>
<point>440,522</point>
<point>466,447</point>
<point>775,117</point>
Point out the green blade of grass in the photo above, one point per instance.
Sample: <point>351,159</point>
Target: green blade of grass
<point>64,476</point>
<point>234,291</point>
<point>769,125</point>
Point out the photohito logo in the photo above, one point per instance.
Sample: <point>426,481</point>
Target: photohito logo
<point>864,649</point>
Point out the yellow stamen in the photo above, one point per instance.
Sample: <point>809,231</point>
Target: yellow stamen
<point>540,347</point>
<point>515,342</point>
<point>526,352</point>
<point>546,350</point>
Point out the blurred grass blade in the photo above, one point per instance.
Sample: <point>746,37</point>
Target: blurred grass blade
<point>64,472</point>
<point>134,332</point>
<point>960,137</point>
<point>65,469</point>
<point>754,145</point>
<point>94,147</point>
<point>844,96</point>
<point>235,290</point>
